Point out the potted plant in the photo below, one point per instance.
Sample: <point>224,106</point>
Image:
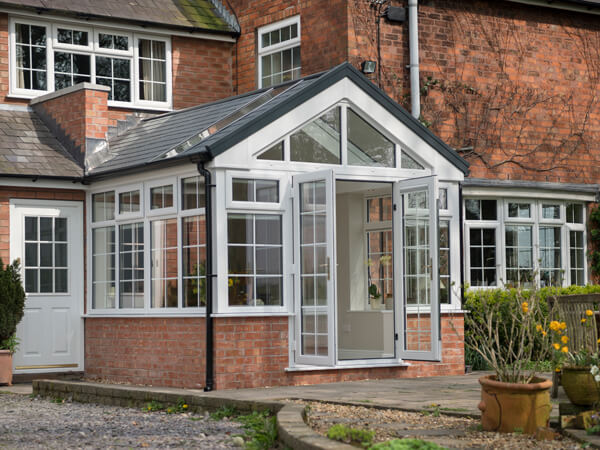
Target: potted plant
<point>576,366</point>
<point>375,297</point>
<point>12,305</point>
<point>511,332</point>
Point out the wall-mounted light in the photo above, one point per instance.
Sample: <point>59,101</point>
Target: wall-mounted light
<point>368,66</point>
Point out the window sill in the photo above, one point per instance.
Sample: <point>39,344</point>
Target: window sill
<point>307,368</point>
<point>143,315</point>
<point>254,314</point>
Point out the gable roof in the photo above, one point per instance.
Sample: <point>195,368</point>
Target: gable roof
<point>208,15</point>
<point>28,148</point>
<point>205,131</point>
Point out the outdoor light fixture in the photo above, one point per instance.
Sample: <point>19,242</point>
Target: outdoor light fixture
<point>368,66</point>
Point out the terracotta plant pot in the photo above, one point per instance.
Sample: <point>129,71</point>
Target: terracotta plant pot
<point>510,407</point>
<point>5,367</point>
<point>580,386</point>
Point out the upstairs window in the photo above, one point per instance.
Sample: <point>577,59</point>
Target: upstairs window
<point>47,57</point>
<point>279,52</point>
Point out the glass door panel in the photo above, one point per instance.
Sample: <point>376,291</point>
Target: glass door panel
<point>417,236</point>
<point>314,261</point>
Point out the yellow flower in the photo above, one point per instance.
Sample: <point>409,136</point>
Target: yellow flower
<point>554,325</point>
<point>564,339</point>
<point>583,320</point>
<point>589,312</point>
<point>598,341</point>
<point>544,334</point>
<point>524,304</point>
<point>563,325</point>
<point>230,282</point>
<point>557,369</point>
<point>539,328</point>
<point>185,406</point>
<point>556,346</point>
<point>565,350</point>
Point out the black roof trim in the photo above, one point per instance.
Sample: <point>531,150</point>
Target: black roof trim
<point>326,80</point>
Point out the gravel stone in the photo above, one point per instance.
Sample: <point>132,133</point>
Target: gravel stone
<point>41,423</point>
<point>447,431</point>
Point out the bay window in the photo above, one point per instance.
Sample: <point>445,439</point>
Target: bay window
<point>524,242</point>
<point>46,57</point>
<point>152,259</point>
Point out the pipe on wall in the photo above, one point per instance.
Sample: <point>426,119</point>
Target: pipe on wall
<point>209,384</point>
<point>413,46</point>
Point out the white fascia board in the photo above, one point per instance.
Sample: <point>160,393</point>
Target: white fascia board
<point>40,183</point>
<point>119,26</point>
<point>241,155</point>
<point>472,191</point>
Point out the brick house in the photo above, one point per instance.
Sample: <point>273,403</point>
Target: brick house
<point>249,209</point>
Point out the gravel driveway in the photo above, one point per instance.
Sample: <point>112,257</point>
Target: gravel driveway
<point>40,423</point>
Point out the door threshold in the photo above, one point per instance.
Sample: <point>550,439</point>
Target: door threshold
<point>310,368</point>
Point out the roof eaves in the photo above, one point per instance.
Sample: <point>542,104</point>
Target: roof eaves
<point>325,80</point>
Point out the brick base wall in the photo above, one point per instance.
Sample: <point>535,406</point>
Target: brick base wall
<point>249,352</point>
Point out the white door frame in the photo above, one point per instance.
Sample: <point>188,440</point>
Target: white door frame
<point>19,208</point>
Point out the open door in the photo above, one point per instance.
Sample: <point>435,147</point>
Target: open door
<point>314,261</point>
<point>416,239</point>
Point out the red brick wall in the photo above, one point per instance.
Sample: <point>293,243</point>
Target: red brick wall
<point>514,85</point>
<point>323,34</point>
<point>160,352</point>
<point>249,352</point>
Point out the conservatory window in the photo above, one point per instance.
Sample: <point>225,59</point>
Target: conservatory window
<point>519,255</point>
<point>161,197</point>
<point>574,213</point>
<point>480,209</point>
<point>194,261</point>
<point>577,257</point>
<point>274,153</point>
<point>482,256</point>
<point>444,249</point>
<point>550,259</point>
<point>519,210</point>
<point>366,145</point>
<point>255,264</point>
<point>319,141</point>
<point>380,270</point>
<point>131,265</point>
<point>103,206</point>
<point>129,202</point>
<point>163,235</point>
<point>193,195</point>
<point>251,190</point>
<point>103,266</point>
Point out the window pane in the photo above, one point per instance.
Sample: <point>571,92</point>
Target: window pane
<point>521,210</point>
<point>30,56</point>
<point>131,260</point>
<point>445,288</point>
<point>31,224</point>
<point>194,261</point>
<point>519,256</point>
<point>242,190</point>
<point>164,274</point>
<point>274,153</point>
<point>267,191</point>
<point>574,213</point>
<point>367,146</point>
<point>408,162</point>
<point>577,257</point>
<point>103,206</point>
<point>550,260</point>
<point>482,255</point>
<point>161,197</point>
<point>129,202</point>
<point>551,211</point>
<point>31,280</point>
<point>193,193</point>
<point>319,141</point>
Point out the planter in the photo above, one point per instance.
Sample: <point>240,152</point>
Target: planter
<point>5,367</point>
<point>579,385</point>
<point>510,407</point>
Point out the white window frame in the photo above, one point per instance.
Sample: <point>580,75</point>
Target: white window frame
<point>146,217</point>
<point>567,239</point>
<point>93,49</point>
<point>489,225</point>
<point>291,43</point>
<point>128,215</point>
<point>233,204</point>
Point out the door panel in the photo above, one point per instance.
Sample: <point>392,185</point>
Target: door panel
<point>416,234</point>
<point>48,238</point>
<point>314,258</point>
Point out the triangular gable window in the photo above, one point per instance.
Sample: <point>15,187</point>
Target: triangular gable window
<point>366,145</point>
<point>274,153</point>
<point>319,141</point>
<point>407,162</point>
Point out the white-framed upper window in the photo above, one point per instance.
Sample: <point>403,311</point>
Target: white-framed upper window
<point>144,260</point>
<point>279,52</point>
<point>259,190</point>
<point>524,242</point>
<point>45,57</point>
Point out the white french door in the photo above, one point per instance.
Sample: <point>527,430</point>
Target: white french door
<point>314,259</point>
<point>417,281</point>
<point>47,236</point>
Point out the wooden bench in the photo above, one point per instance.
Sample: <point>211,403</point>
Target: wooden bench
<point>571,309</point>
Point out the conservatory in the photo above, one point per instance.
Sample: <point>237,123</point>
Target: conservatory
<point>309,230</point>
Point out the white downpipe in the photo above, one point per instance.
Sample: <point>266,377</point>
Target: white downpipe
<point>413,43</point>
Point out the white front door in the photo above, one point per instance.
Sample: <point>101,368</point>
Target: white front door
<point>416,235</point>
<point>314,256</point>
<point>47,236</point>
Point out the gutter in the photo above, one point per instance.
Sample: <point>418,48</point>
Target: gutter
<point>413,46</point>
<point>210,378</point>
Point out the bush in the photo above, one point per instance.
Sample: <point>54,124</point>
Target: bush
<point>406,444</point>
<point>505,301</point>
<point>12,303</point>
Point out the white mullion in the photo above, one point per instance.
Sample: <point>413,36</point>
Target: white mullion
<point>180,303</point>
<point>343,135</point>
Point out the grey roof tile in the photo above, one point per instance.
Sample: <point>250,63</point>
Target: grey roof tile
<point>190,14</point>
<point>28,148</point>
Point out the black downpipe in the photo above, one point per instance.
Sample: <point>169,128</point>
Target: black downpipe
<point>210,377</point>
<point>461,251</point>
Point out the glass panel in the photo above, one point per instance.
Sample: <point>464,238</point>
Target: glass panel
<point>319,141</point>
<point>444,250</point>
<point>161,197</point>
<point>31,224</point>
<point>482,252</point>
<point>519,256</point>
<point>103,268</point>
<point>242,190</point>
<point>408,162</point>
<point>366,145</point>
<point>443,194</point>
<point>550,211</point>
<point>267,191</point>
<point>46,281</point>
<point>574,213</point>
<point>30,56</point>
<point>521,210</point>
<point>194,261</point>
<point>31,280</point>
<point>60,229</point>
<point>193,193</point>
<point>550,257</point>
<point>164,274</point>
<point>577,257</point>
<point>274,153</point>
<point>131,259</point>
<point>314,260</point>
<point>103,206</point>
<point>129,202</point>
<point>46,228</point>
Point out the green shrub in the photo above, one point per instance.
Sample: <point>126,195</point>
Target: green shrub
<point>343,433</point>
<point>507,302</point>
<point>406,444</point>
<point>12,303</point>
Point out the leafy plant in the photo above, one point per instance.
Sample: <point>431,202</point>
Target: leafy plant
<point>12,304</point>
<point>406,444</point>
<point>374,291</point>
<point>180,407</point>
<point>154,406</point>
<point>344,433</point>
<point>224,411</point>
<point>261,430</point>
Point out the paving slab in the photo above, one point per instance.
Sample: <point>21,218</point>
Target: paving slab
<point>23,389</point>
